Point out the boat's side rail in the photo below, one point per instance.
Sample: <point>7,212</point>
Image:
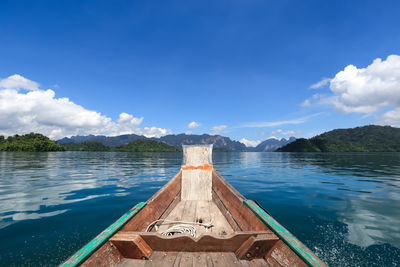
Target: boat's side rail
<point>249,216</point>
<point>150,210</point>
<point>305,253</point>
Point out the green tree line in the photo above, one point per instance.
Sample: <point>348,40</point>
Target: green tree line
<point>371,138</point>
<point>34,142</point>
<point>31,142</point>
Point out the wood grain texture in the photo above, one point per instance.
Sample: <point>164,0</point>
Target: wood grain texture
<point>256,247</point>
<point>156,206</point>
<point>196,259</point>
<point>284,256</point>
<point>198,211</point>
<point>228,216</point>
<point>106,255</point>
<point>233,201</point>
<point>196,184</point>
<point>131,246</point>
<point>205,243</point>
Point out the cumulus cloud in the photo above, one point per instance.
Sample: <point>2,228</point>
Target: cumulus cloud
<point>24,107</point>
<point>391,117</point>
<point>128,119</point>
<point>218,129</point>
<point>193,125</point>
<point>18,82</point>
<point>366,90</point>
<point>250,143</point>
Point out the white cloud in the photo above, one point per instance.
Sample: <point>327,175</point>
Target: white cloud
<point>305,103</point>
<point>128,119</point>
<point>218,129</point>
<point>193,125</point>
<point>38,110</point>
<point>278,123</point>
<point>320,84</point>
<point>18,82</point>
<point>391,117</point>
<point>282,132</point>
<point>367,90</point>
<point>250,143</point>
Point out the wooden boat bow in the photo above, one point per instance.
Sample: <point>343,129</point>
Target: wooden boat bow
<point>230,230</point>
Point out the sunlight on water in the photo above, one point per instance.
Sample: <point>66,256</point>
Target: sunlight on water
<point>343,206</point>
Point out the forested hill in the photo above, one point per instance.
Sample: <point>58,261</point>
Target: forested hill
<point>219,142</point>
<point>32,142</point>
<point>140,145</point>
<point>371,138</point>
<point>176,140</point>
<point>143,145</point>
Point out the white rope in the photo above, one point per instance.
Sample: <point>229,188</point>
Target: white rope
<point>181,228</point>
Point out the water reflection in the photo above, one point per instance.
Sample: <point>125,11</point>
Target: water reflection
<point>33,185</point>
<point>361,189</point>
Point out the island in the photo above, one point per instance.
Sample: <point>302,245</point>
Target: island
<point>32,142</point>
<point>370,138</point>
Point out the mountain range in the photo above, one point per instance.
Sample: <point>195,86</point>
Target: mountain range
<point>220,143</point>
<point>271,144</point>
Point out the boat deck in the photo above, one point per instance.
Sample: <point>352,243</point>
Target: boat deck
<point>165,253</point>
<point>229,230</point>
<point>198,259</point>
<point>199,211</point>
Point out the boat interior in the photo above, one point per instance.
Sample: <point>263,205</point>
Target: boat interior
<point>196,219</point>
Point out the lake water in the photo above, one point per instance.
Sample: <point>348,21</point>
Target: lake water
<point>344,206</point>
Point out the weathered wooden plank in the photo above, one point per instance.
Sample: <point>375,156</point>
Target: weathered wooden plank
<point>189,211</point>
<point>186,260</point>
<point>204,243</point>
<point>166,213</point>
<point>156,206</point>
<point>199,259</point>
<point>221,225</point>
<point>224,259</point>
<point>196,211</point>
<point>131,263</point>
<point>228,216</point>
<point>203,215</point>
<point>255,247</point>
<point>232,259</point>
<point>131,245</point>
<point>106,255</point>
<point>284,256</point>
<point>178,259</point>
<point>174,215</point>
<point>197,173</point>
<point>233,202</point>
<point>158,259</point>
<point>196,184</point>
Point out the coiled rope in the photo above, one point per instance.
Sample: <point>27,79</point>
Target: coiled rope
<point>180,228</point>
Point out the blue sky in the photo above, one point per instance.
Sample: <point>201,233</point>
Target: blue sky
<point>239,68</point>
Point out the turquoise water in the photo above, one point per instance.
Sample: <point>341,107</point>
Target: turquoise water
<point>344,206</point>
